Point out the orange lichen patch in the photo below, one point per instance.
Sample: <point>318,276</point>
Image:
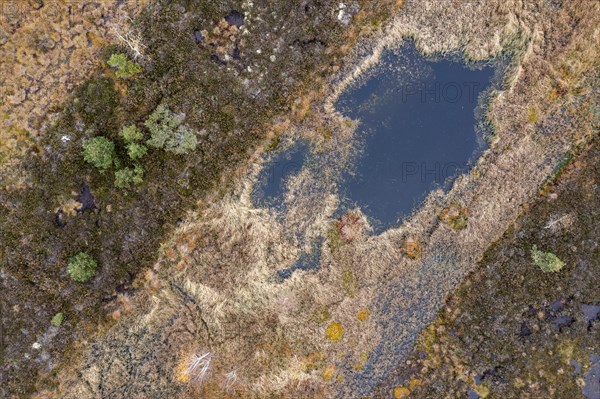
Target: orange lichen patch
<point>363,314</point>
<point>116,315</point>
<point>181,265</point>
<point>401,392</point>
<point>125,302</point>
<point>455,216</point>
<point>414,383</point>
<point>335,332</point>
<point>329,373</point>
<point>152,280</point>
<point>170,253</point>
<point>413,247</point>
<point>181,371</point>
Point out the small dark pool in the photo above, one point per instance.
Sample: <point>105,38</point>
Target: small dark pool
<point>281,166</point>
<point>418,121</point>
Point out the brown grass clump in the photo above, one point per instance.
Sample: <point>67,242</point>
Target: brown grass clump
<point>455,216</point>
<point>413,247</point>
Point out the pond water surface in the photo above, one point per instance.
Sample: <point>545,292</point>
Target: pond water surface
<point>419,125</point>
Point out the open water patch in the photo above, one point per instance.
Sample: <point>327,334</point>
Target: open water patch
<point>420,127</point>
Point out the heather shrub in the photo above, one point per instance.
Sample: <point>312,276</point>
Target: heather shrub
<point>99,151</point>
<point>168,132</point>
<point>546,261</point>
<point>125,68</point>
<point>82,267</point>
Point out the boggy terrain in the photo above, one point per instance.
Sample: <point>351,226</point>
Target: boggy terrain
<point>209,318</point>
<point>227,71</point>
<point>511,330</point>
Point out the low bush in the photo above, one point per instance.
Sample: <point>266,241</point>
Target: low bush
<point>125,68</point>
<point>125,177</point>
<point>99,151</point>
<point>546,261</point>
<point>82,267</point>
<point>168,132</point>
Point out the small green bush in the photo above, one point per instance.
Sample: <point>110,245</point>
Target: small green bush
<point>167,131</point>
<point>125,68</point>
<point>161,124</point>
<point>136,150</point>
<point>131,134</point>
<point>182,141</point>
<point>546,261</point>
<point>99,151</point>
<point>125,177</point>
<point>57,319</point>
<point>82,267</point>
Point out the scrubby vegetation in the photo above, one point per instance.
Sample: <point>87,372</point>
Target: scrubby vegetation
<point>131,134</point>
<point>546,261</point>
<point>57,319</point>
<point>82,267</point>
<point>132,137</point>
<point>168,132</point>
<point>236,99</point>
<point>125,177</point>
<point>507,332</point>
<point>125,67</point>
<point>99,151</point>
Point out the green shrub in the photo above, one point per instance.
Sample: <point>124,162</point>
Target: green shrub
<point>125,177</point>
<point>546,261</point>
<point>131,134</point>
<point>136,150</point>
<point>167,131</point>
<point>82,267</point>
<point>57,319</point>
<point>99,151</point>
<point>125,68</point>
<point>182,141</point>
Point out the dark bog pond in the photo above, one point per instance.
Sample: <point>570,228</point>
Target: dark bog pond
<point>280,166</point>
<point>418,128</point>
